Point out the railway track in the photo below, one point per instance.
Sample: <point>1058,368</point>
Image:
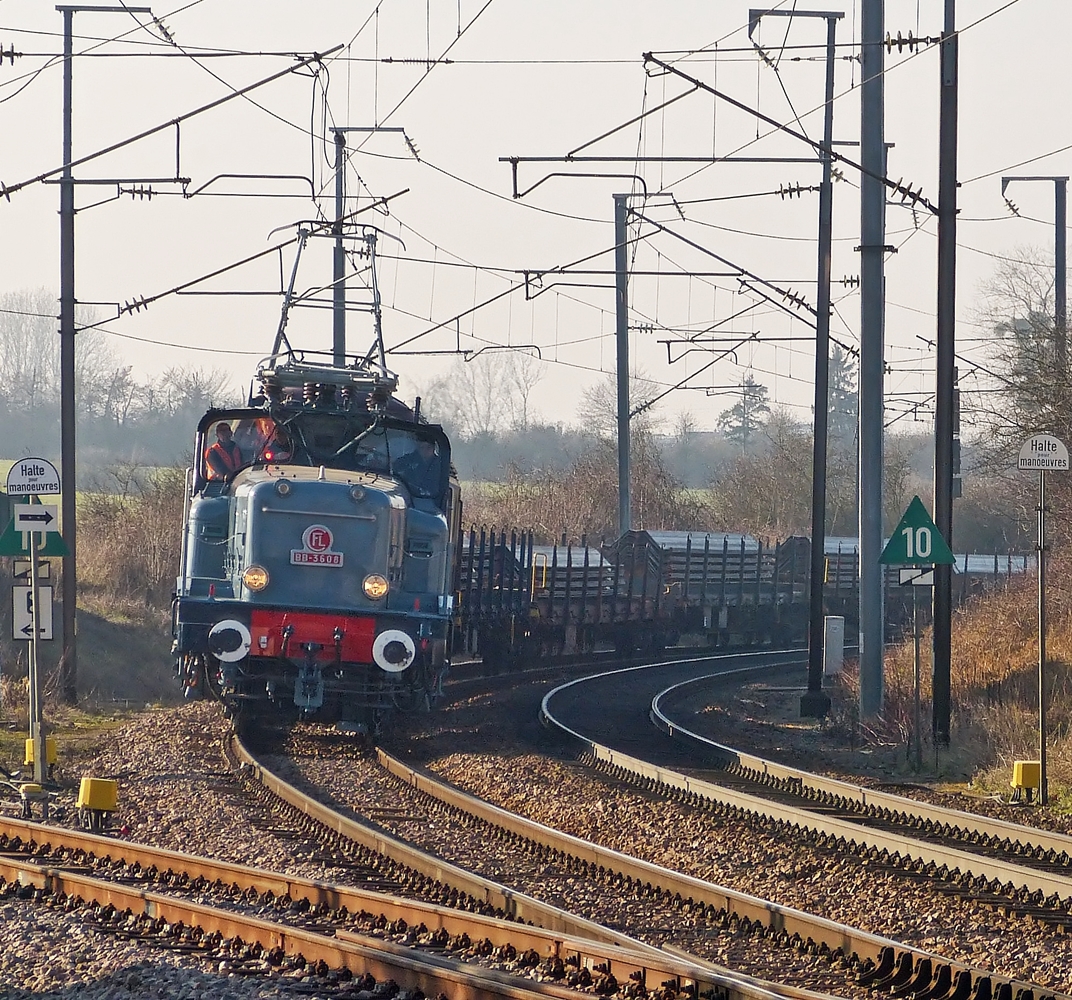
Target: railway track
<point>142,892</point>
<point>246,944</point>
<point>862,964</point>
<point>996,858</point>
<point>944,843</point>
<point>863,959</point>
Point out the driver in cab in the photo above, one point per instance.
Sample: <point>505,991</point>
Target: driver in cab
<point>421,469</point>
<point>224,458</point>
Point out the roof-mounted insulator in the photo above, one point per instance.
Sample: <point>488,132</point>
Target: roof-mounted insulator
<point>377,399</point>
<point>325,395</point>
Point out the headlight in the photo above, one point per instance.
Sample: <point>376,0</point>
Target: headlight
<point>375,587</point>
<point>255,578</point>
<point>282,488</point>
<point>357,493</point>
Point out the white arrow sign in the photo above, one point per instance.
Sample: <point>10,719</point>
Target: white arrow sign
<point>1043,453</point>
<point>32,477</point>
<point>35,517</point>
<point>22,612</point>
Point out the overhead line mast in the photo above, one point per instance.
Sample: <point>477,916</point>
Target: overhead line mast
<point>872,352</point>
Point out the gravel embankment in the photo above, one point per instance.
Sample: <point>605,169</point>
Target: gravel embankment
<point>176,792</point>
<point>173,793</point>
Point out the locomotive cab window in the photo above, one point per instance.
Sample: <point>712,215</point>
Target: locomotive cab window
<point>231,444</point>
<point>419,462</point>
<point>222,456</point>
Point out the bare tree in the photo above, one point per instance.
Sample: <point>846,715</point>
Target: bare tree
<point>481,397</point>
<point>582,498</point>
<point>598,409</point>
<point>523,375</point>
<point>1016,309</point>
<point>30,356</point>
<point>1022,388</point>
<point>187,390</point>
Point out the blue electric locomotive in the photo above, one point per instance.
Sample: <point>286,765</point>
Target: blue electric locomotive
<point>319,550</point>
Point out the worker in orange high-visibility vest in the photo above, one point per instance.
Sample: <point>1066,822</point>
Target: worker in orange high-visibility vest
<point>224,458</point>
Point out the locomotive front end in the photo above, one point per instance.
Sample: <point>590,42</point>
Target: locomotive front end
<point>318,589</point>
<point>319,560</point>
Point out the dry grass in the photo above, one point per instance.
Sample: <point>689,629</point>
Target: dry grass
<point>128,541</point>
<point>994,686</point>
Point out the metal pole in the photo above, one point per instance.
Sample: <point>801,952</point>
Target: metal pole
<point>943,416</point>
<point>917,726</point>
<point>37,733</point>
<point>338,284</point>
<point>621,315</point>
<point>815,702</point>
<point>1059,258</point>
<point>1043,795</point>
<point>1060,279</point>
<point>872,336</point>
<point>69,661</point>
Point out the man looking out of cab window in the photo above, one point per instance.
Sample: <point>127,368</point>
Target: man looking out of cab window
<point>224,458</point>
<point>421,469</point>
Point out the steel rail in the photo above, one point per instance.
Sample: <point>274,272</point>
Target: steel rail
<point>384,960</point>
<point>862,797</point>
<point>580,949</point>
<point>850,940</point>
<point>516,905</point>
<point>797,817</point>
<point>590,943</point>
<point>641,963</point>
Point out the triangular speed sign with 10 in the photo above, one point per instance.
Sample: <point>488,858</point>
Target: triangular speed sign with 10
<point>916,541</point>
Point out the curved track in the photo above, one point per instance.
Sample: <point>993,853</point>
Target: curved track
<point>608,712</point>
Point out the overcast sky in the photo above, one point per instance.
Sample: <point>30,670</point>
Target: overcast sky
<point>470,81</point>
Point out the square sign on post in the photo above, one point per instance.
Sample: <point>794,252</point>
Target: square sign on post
<point>22,613</point>
<point>35,517</point>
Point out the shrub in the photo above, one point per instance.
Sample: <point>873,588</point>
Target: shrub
<point>128,541</point>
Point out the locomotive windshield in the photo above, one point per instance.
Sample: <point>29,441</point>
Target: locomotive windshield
<point>416,455</point>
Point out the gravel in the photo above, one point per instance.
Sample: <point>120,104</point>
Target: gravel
<point>176,791</point>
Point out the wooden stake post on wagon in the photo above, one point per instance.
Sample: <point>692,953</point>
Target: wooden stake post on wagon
<point>917,545</point>
<point>31,524</point>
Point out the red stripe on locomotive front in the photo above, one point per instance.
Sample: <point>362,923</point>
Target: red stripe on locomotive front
<point>266,629</point>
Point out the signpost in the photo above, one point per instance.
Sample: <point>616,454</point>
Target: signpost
<point>37,517</point>
<point>32,477</point>
<point>917,544</point>
<point>1042,452</point>
<point>22,613</point>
